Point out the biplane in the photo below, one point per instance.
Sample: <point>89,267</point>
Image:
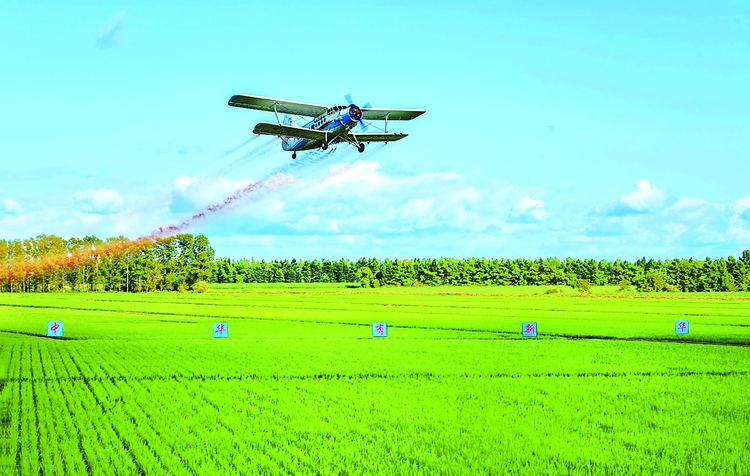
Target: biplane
<point>322,126</point>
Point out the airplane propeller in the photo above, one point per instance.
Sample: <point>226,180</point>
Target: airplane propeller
<point>362,124</point>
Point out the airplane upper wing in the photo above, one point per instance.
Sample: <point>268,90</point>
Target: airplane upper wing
<point>272,129</point>
<point>261,103</point>
<point>377,114</point>
<point>378,136</point>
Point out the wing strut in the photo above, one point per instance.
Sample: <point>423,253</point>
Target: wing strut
<point>277,113</point>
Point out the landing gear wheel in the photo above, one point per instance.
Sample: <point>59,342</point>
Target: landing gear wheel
<point>361,147</point>
<point>294,155</point>
<point>324,145</point>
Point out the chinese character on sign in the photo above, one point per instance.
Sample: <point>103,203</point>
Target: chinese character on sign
<point>379,329</point>
<point>528,329</point>
<point>221,329</point>
<point>54,329</point>
<point>681,327</point>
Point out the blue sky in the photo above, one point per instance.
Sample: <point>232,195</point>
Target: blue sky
<point>586,129</point>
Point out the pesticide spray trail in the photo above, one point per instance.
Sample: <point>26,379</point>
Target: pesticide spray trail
<point>239,146</point>
<point>19,269</point>
<point>262,150</point>
<point>261,147</point>
<point>271,183</point>
<point>282,176</point>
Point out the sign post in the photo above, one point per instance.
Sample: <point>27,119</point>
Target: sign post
<point>220,329</point>
<point>681,327</point>
<point>528,329</point>
<point>379,329</point>
<point>54,329</point>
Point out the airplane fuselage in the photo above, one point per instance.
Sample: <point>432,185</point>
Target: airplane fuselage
<point>337,120</point>
<point>329,125</point>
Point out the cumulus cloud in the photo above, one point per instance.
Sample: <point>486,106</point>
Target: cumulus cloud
<point>647,198</point>
<point>742,208</point>
<point>102,201</point>
<point>693,209</point>
<point>355,205</point>
<point>360,209</point>
<point>9,206</point>
<point>192,193</point>
<point>364,178</point>
<point>527,210</point>
<point>109,34</point>
<point>651,219</point>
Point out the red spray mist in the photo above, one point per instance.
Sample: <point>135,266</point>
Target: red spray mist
<point>17,270</point>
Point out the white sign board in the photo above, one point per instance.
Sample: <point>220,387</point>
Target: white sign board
<point>220,329</point>
<point>379,329</point>
<point>528,329</point>
<point>54,329</point>
<point>681,327</point>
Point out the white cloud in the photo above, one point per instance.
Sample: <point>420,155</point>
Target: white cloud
<point>527,202</point>
<point>101,201</point>
<point>693,209</point>
<point>9,206</point>
<point>742,207</point>
<point>359,206</point>
<point>647,198</point>
<point>65,221</point>
<point>649,219</point>
<point>182,182</point>
<point>360,209</point>
<point>528,209</point>
<point>742,204</point>
<point>191,193</point>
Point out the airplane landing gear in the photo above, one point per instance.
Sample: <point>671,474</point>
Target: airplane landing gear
<point>294,155</point>
<point>324,145</point>
<point>361,147</point>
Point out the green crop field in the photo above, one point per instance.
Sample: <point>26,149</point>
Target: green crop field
<point>138,385</point>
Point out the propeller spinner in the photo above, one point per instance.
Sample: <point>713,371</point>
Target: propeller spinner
<point>362,124</point>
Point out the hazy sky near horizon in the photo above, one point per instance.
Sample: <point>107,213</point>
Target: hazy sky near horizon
<point>585,129</point>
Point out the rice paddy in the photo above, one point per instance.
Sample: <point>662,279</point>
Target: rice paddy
<point>137,385</point>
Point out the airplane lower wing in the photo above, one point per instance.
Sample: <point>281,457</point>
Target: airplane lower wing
<point>261,103</point>
<point>271,129</point>
<point>377,136</point>
<point>376,114</point>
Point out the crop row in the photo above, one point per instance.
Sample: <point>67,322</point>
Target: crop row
<point>123,407</point>
<point>329,359</point>
<point>394,427</point>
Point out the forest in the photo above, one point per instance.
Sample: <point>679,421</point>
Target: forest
<point>52,264</point>
<point>49,263</point>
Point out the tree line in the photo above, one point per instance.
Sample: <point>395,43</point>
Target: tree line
<point>687,275</point>
<point>49,263</point>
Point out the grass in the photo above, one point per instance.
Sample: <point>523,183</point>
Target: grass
<point>140,387</point>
